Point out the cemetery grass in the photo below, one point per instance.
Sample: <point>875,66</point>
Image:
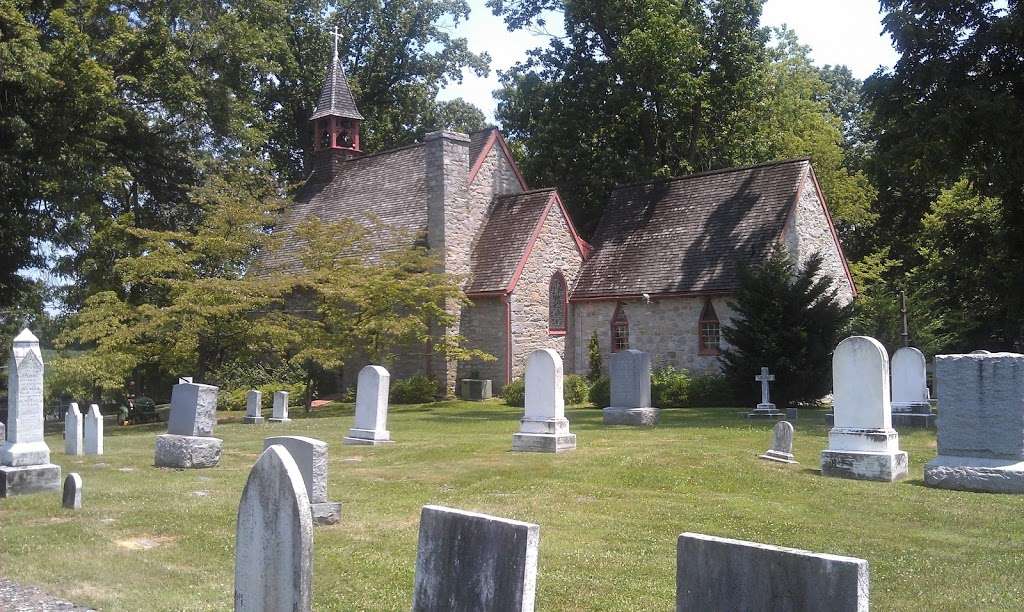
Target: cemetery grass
<point>162,539</point>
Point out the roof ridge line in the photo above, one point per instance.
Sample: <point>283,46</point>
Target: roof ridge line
<point>522,193</point>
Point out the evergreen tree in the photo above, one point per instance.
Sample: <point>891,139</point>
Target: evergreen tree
<point>594,357</point>
<point>789,319</point>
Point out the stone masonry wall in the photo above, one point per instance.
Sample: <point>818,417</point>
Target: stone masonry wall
<point>554,250</point>
<point>807,232</point>
<point>483,326</point>
<point>666,328</point>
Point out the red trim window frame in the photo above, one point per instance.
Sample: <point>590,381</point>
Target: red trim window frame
<point>709,331</point>
<point>619,330</point>
<point>556,327</point>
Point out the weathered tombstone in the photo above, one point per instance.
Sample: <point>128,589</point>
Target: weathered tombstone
<point>766,409</point>
<point>981,352</point>
<point>73,430</point>
<point>862,445</point>
<point>71,497</point>
<point>280,409</point>
<point>310,456</point>
<point>544,428</point>
<point>981,423</point>
<point>782,444</point>
<point>469,561</point>
<point>24,457</point>
<point>910,405</point>
<point>253,407</point>
<point>3,432</point>
<point>715,573</point>
<point>94,431</point>
<point>630,387</point>
<point>475,389</point>
<point>371,425</point>
<point>189,441</point>
<point>274,537</point>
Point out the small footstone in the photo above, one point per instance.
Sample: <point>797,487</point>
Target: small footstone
<point>782,444</point>
<point>469,561</point>
<point>72,497</point>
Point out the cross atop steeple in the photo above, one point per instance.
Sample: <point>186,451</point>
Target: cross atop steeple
<point>336,37</point>
<point>335,119</point>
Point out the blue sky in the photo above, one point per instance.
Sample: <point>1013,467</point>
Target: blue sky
<point>838,32</point>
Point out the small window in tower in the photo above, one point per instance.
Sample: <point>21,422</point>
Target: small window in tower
<point>557,306</point>
<point>709,331</point>
<point>344,140</point>
<point>620,330</point>
<point>325,139</point>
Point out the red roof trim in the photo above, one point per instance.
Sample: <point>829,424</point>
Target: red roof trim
<point>495,136</point>
<point>529,245</point>
<point>832,228</point>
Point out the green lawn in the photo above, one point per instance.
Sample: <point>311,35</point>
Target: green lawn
<point>609,512</point>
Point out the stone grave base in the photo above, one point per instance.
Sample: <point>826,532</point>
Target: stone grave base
<point>759,414</point>
<point>915,415</point>
<point>543,443</point>
<point>630,416</point>
<point>326,513</point>
<point>29,479</point>
<point>187,451</point>
<point>975,474</point>
<point>779,456</point>
<point>277,420</point>
<point>367,437</point>
<point>252,420</point>
<point>864,465</point>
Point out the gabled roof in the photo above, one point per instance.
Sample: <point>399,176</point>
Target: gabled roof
<point>511,224</point>
<point>480,145</point>
<point>688,235</point>
<point>390,186</point>
<point>335,96</point>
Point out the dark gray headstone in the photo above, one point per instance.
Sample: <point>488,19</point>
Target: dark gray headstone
<point>72,495</point>
<point>723,574</point>
<point>474,562</point>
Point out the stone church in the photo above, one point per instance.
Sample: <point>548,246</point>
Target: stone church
<point>657,275</point>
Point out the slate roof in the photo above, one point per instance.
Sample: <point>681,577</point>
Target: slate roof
<point>477,140</point>
<point>511,222</point>
<point>689,234</point>
<point>391,186</point>
<point>336,97</point>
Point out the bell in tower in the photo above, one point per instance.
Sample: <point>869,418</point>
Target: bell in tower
<point>335,120</point>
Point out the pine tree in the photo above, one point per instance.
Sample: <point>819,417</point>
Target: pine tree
<point>789,319</point>
<point>594,357</point>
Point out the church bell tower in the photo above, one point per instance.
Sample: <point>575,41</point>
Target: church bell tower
<point>335,120</point>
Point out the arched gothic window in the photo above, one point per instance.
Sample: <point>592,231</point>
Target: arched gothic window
<point>709,331</point>
<point>558,307</point>
<point>620,330</point>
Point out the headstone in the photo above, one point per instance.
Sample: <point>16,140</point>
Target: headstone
<point>862,445</point>
<point>310,456</point>
<point>782,444</point>
<point>981,352</point>
<point>981,423</point>
<point>94,431</point>
<point>910,400</point>
<point>630,388</point>
<point>475,389</point>
<point>766,409</point>
<point>715,573</point>
<point>72,494</point>
<point>544,428</point>
<point>189,441</point>
<point>73,430</point>
<point>24,457</point>
<point>469,561</point>
<point>280,409</point>
<point>253,407</point>
<point>371,426</point>
<point>274,537</point>
<point>3,432</point>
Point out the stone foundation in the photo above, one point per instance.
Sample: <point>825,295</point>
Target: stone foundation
<point>778,456</point>
<point>29,479</point>
<point>543,436</point>
<point>859,465</point>
<point>368,437</point>
<point>187,451</point>
<point>975,474</point>
<point>630,416</point>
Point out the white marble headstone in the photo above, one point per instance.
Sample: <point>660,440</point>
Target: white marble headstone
<point>279,413</point>
<point>544,398</point>
<point>94,431</point>
<point>909,379</point>
<point>371,423</point>
<point>25,445</point>
<point>254,403</point>
<point>274,538</point>
<point>860,384</point>
<point>310,456</point>
<point>73,430</point>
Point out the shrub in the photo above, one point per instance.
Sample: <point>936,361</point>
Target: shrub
<point>600,392</point>
<point>712,390</point>
<point>515,393</point>
<point>575,389</point>
<point>594,357</point>
<point>235,379</point>
<point>235,399</point>
<point>414,390</point>
<point>670,388</point>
